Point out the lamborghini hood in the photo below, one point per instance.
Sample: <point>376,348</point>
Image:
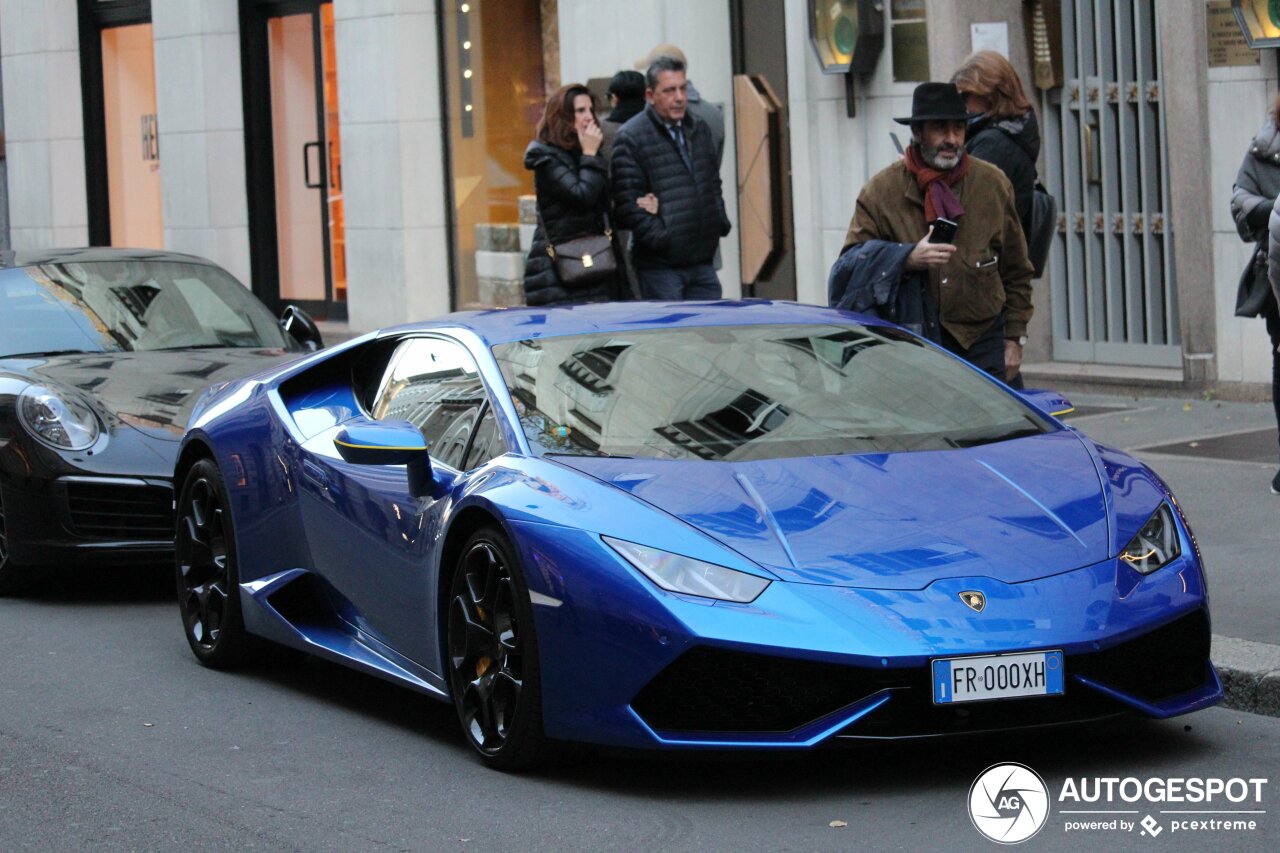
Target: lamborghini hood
<point>1014,511</point>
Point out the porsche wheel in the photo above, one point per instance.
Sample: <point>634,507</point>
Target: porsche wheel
<point>208,583</point>
<point>13,578</point>
<point>493,654</point>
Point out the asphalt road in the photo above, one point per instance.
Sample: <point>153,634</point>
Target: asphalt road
<point>112,737</point>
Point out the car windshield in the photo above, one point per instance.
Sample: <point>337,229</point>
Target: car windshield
<point>752,392</point>
<point>115,306</point>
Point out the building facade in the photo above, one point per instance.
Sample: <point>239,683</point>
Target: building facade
<point>364,157</point>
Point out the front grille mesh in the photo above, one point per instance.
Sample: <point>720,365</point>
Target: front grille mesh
<point>717,690</point>
<point>119,511</point>
<point>714,690</point>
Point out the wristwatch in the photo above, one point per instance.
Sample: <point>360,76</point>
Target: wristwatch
<point>1022,341</point>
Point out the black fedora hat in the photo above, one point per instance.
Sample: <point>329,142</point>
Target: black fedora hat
<point>936,102</point>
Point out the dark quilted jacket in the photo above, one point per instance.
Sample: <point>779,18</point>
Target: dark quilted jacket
<point>691,218</point>
<point>1013,145</point>
<point>573,199</point>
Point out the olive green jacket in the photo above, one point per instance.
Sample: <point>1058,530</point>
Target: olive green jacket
<point>989,271</point>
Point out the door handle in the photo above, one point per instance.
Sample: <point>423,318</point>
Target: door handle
<point>315,473</point>
<point>306,166</point>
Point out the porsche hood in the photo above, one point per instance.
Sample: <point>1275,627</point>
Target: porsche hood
<point>155,390</point>
<point>1014,511</point>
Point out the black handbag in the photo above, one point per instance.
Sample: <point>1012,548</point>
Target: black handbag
<point>583,261</point>
<point>1254,290</point>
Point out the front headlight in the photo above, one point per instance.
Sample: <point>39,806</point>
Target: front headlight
<point>1156,544</point>
<point>689,576</point>
<point>58,420</point>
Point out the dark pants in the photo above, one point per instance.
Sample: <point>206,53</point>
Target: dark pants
<point>1272,315</point>
<point>699,282</point>
<point>987,352</point>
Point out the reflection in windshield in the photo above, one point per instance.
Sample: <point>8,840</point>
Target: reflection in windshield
<point>752,392</point>
<point>114,306</point>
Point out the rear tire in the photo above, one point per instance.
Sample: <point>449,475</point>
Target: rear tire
<point>492,654</point>
<point>207,573</point>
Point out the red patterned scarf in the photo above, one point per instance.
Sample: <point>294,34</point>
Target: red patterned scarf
<point>936,185</point>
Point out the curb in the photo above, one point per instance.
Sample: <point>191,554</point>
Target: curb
<point>1250,675</point>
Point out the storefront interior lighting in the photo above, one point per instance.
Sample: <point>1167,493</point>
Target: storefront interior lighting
<point>466,45</point>
<point>465,8</point>
<point>468,108</point>
<point>466,72</point>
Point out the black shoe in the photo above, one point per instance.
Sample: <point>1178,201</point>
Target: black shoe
<point>1275,484</point>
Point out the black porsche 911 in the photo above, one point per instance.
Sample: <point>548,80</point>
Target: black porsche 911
<point>102,354</point>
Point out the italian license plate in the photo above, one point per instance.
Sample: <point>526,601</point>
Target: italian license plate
<point>972,679</point>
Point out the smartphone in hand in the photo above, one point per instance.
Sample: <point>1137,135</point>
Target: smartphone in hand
<point>944,230</point>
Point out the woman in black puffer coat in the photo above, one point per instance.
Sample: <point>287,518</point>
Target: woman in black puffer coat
<point>572,183</point>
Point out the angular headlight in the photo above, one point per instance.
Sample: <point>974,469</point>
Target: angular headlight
<point>59,420</point>
<point>689,576</point>
<point>1156,544</point>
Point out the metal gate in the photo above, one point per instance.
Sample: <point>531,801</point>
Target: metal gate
<point>1113,294</point>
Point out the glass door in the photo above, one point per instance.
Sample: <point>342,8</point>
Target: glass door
<point>133,149</point>
<point>307,160</point>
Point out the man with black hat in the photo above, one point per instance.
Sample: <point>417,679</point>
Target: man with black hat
<point>975,284</point>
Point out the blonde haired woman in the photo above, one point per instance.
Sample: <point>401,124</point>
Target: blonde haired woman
<point>1002,125</point>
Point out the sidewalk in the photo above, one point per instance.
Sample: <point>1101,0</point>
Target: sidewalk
<point>1219,458</point>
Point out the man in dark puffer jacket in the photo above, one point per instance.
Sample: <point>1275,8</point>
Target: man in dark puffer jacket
<point>669,153</point>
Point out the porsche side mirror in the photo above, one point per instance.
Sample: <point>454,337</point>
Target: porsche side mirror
<point>298,325</point>
<point>363,441</point>
<point>1050,402</point>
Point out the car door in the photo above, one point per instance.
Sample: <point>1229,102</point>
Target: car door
<point>370,538</point>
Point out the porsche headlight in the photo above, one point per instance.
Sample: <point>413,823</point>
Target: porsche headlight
<point>689,576</point>
<point>1156,544</point>
<point>58,420</point>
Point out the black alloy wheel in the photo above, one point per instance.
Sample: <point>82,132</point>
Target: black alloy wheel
<point>13,579</point>
<point>493,654</point>
<point>208,583</point>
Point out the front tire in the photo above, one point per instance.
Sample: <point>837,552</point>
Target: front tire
<point>493,654</point>
<point>207,574</point>
<point>14,579</point>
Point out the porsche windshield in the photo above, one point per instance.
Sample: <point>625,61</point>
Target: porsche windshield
<point>113,306</point>
<point>752,392</point>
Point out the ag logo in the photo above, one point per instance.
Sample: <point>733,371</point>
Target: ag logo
<point>1008,803</point>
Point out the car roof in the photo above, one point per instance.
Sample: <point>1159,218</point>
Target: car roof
<point>503,325</point>
<point>92,254</point>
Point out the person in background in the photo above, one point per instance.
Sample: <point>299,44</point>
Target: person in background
<point>1253,207</point>
<point>626,99</point>
<point>1003,131</point>
<point>572,184</point>
<point>666,156</point>
<point>697,107</point>
<point>1002,125</point>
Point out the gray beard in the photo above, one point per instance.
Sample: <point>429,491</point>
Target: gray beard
<point>933,158</point>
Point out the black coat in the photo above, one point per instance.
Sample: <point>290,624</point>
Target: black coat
<point>573,201</point>
<point>691,217</point>
<point>1013,145</point>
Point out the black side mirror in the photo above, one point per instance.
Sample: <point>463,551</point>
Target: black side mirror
<point>298,325</point>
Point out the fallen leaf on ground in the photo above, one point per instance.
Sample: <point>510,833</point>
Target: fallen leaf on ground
<point>836,824</point>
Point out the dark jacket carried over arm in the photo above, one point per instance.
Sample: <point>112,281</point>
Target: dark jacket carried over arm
<point>573,199</point>
<point>871,278</point>
<point>691,218</point>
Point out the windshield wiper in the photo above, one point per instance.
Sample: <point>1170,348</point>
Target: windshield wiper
<point>47,353</point>
<point>993,437</point>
